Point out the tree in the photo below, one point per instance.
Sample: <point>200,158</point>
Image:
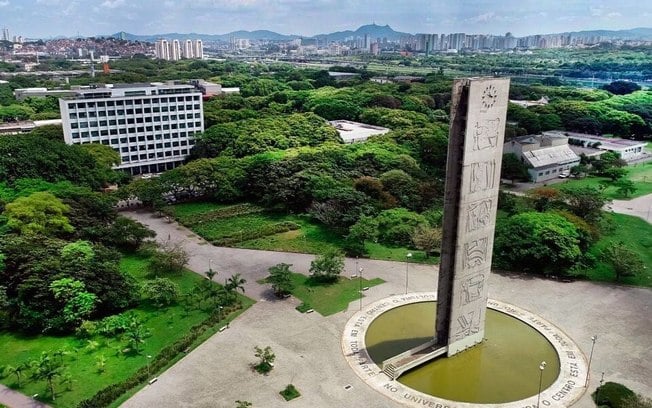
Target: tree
<point>513,168</point>
<point>395,226</point>
<point>427,239</point>
<point>47,368</point>
<point>614,173</point>
<point>232,285</point>
<point>161,291</point>
<point>579,171</point>
<point>266,359</point>
<point>586,202</point>
<point>328,266</point>
<point>126,234</point>
<point>104,155</point>
<point>622,260</point>
<point>135,334</point>
<point>18,370</point>
<point>78,303</point>
<point>280,276</point>
<point>243,404</point>
<point>538,242</point>
<point>625,187</point>
<point>622,87</point>
<point>364,230</point>
<point>168,258</point>
<point>38,213</point>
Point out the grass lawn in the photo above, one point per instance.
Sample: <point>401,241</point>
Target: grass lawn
<point>310,237</point>
<point>640,174</point>
<point>636,234</point>
<point>166,325</point>
<point>328,299</point>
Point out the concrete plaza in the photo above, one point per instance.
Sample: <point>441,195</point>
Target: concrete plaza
<point>308,346</point>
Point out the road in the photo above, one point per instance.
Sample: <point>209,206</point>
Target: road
<point>308,348</point>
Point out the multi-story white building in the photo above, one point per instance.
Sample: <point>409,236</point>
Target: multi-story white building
<point>199,49</point>
<point>188,50</point>
<point>175,50</point>
<point>152,126</point>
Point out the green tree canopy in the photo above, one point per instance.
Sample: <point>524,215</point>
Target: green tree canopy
<point>38,213</point>
<point>537,242</point>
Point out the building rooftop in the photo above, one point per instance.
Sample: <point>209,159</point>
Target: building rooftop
<point>122,90</point>
<point>606,142</point>
<point>352,132</point>
<point>547,156</point>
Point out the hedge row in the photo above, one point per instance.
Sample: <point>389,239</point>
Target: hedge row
<point>107,395</point>
<point>261,232</point>
<point>226,212</point>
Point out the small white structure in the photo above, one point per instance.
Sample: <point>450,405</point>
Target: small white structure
<point>547,156</point>
<point>627,149</point>
<point>352,132</point>
<point>526,104</point>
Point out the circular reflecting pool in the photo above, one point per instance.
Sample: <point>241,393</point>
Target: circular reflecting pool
<point>503,368</point>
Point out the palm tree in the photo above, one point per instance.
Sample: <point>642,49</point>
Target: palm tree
<point>232,285</point>
<point>17,370</point>
<point>136,334</point>
<point>235,283</point>
<point>47,368</point>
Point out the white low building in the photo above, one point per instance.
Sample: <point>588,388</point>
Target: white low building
<point>352,132</point>
<point>547,156</point>
<point>627,149</point>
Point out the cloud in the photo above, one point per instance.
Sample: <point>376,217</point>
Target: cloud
<point>4,3</point>
<point>113,3</point>
<point>482,18</point>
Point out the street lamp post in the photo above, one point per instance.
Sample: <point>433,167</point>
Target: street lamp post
<point>588,371</point>
<point>219,311</point>
<point>542,367</point>
<point>360,279</point>
<point>407,265</point>
<point>597,392</point>
<point>148,360</point>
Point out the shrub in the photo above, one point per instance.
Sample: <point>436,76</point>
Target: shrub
<point>290,392</point>
<point>612,395</point>
<point>261,232</point>
<point>107,395</point>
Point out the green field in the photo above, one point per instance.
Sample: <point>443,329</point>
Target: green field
<point>640,174</point>
<point>328,299</point>
<point>166,325</point>
<point>309,237</point>
<point>636,234</point>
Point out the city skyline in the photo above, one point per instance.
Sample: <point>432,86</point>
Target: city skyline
<point>51,18</point>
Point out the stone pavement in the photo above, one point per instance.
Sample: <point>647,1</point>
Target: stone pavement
<point>308,348</point>
<point>15,399</point>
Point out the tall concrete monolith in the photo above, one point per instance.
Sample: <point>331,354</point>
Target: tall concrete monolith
<point>477,131</point>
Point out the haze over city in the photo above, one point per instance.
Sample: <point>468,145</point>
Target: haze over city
<point>49,18</point>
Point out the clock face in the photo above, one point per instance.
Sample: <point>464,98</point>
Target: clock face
<point>489,97</point>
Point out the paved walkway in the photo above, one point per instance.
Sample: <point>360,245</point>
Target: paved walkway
<point>15,399</point>
<point>308,349</point>
<point>640,207</point>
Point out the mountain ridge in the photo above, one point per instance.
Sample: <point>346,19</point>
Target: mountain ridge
<point>373,30</point>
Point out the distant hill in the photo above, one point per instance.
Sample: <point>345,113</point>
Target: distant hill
<point>640,33</point>
<point>373,30</point>
<point>251,35</point>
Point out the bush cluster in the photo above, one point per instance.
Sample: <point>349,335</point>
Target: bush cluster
<point>261,232</point>
<point>107,395</point>
<point>227,212</point>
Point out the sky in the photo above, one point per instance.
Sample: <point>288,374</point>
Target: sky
<point>50,18</point>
